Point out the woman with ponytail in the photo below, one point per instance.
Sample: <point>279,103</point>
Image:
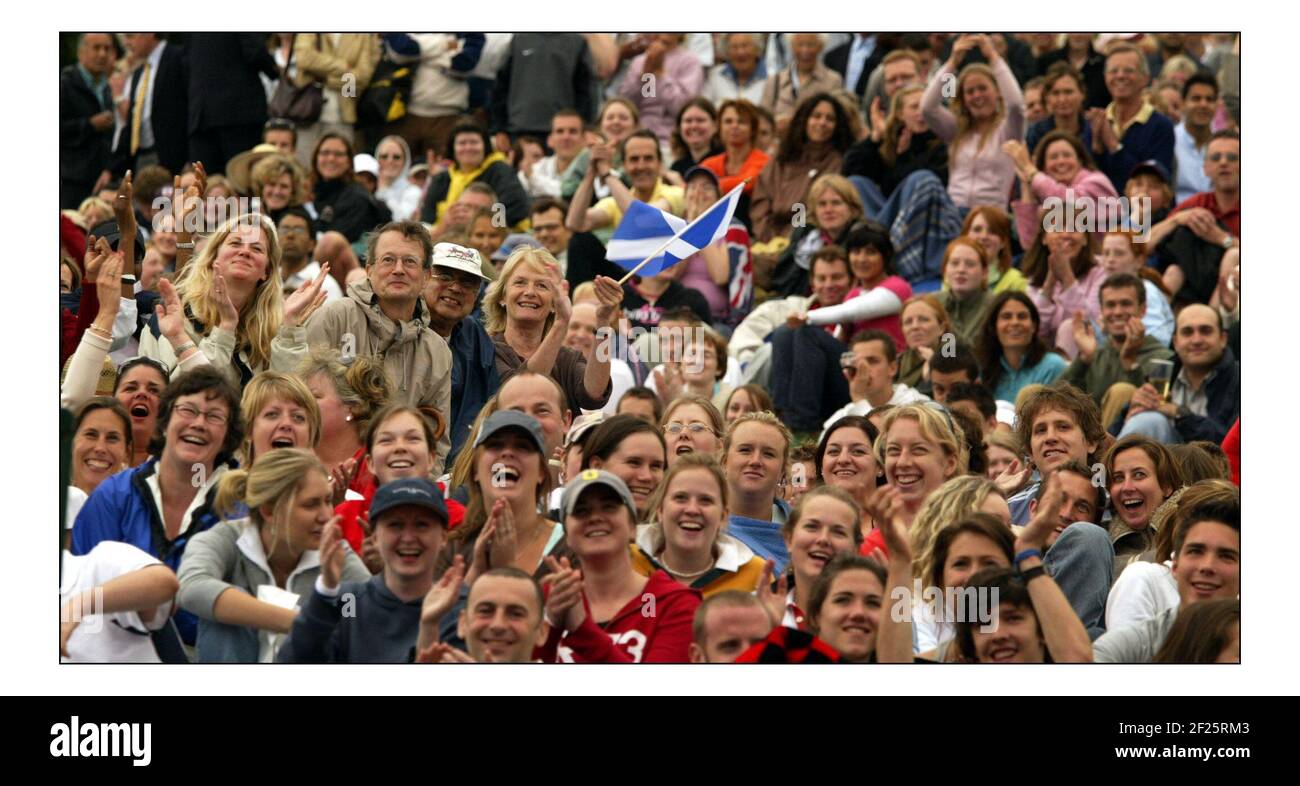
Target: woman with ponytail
<point>245,579</point>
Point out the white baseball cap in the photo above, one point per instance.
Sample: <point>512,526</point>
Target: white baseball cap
<point>364,162</point>
<point>458,258</point>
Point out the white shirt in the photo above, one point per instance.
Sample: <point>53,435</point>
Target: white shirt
<point>903,395</point>
<point>121,637</point>
<point>1141,593</point>
<point>620,373</point>
<point>331,287</point>
<point>146,120</point>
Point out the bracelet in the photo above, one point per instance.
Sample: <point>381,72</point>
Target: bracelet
<point>183,348</point>
<point>187,246</point>
<point>1026,554</point>
<point>1033,573</point>
<point>99,331</point>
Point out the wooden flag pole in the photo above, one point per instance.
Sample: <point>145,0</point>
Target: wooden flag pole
<point>670,240</point>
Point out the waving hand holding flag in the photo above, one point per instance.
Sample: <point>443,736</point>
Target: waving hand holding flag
<point>648,240</point>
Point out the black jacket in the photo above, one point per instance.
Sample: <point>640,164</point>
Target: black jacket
<point>543,73</point>
<point>586,260</point>
<point>348,208</point>
<point>224,88</point>
<point>83,151</point>
<point>1224,402</point>
<point>926,151</point>
<point>503,180</point>
<point>837,60</point>
<point>169,115</point>
<point>1199,260</point>
<point>1094,74</point>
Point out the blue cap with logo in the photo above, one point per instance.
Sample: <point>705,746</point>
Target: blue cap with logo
<point>420,492</point>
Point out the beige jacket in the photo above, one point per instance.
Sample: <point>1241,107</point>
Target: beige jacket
<point>417,359</point>
<point>779,96</point>
<point>318,60</point>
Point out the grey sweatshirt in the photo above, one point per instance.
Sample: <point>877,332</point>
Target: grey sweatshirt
<point>228,555</point>
<point>365,623</point>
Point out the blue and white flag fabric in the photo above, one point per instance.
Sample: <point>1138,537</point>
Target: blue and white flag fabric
<point>645,229</point>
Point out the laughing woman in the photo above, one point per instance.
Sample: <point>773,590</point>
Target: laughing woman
<point>633,450</point>
<point>846,605</point>
<point>691,424</point>
<point>1011,349</point>
<point>508,484</point>
<point>920,450</point>
<point>244,578</point>
<point>527,312</point>
<point>607,612</point>
<point>826,522</point>
<point>164,502</point>
<point>688,540</point>
<point>281,413</point>
<point>227,309</point>
<point>101,444</point>
<point>756,452</point>
<point>1142,475</point>
<point>988,110</point>
<point>845,460</point>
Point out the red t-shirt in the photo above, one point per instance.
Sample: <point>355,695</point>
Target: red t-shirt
<point>1230,218</point>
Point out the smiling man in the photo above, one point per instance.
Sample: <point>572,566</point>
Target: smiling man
<point>1205,395</point>
<point>1058,423</point>
<point>1126,357</point>
<point>450,296</point>
<point>384,317</point>
<point>1079,555</point>
<point>871,378</point>
<point>1129,130</point>
<point>502,619</point>
<point>376,621</point>
<point>1206,566</point>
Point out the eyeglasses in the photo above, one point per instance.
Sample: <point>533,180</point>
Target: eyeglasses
<point>278,124</point>
<point>1231,158</point>
<point>463,280</point>
<point>696,429</point>
<point>214,417</point>
<point>408,263</point>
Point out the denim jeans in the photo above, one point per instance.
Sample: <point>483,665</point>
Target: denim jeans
<point>806,382</point>
<point>1082,562</point>
<point>1153,425</point>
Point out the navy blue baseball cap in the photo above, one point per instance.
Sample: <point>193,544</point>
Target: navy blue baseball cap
<point>420,492</point>
<point>1151,165</point>
<point>512,419</point>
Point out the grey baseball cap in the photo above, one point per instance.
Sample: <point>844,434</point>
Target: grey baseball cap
<point>511,418</point>
<point>596,477</point>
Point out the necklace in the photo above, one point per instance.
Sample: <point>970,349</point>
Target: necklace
<point>670,569</point>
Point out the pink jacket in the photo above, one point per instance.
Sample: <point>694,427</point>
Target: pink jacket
<point>681,80</point>
<point>1087,183</point>
<point>978,176</point>
<point>1057,307</point>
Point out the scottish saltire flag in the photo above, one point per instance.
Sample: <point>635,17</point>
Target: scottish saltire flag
<point>645,229</point>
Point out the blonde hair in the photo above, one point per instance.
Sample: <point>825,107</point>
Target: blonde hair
<point>363,385</point>
<point>951,502</point>
<point>840,185</point>
<point>1007,440</point>
<point>894,123</point>
<point>273,481</point>
<point>261,391</point>
<point>100,205</point>
<point>494,300</point>
<point>271,168</point>
<point>964,123</point>
<point>690,461</point>
<point>767,419</point>
<point>464,463</point>
<point>935,427</point>
<point>710,411</point>
<point>261,314</point>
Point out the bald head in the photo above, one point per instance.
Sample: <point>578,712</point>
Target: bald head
<point>95,53</point>
<point>1199,338</point>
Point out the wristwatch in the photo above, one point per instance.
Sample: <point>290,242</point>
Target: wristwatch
<point>1227,242</point>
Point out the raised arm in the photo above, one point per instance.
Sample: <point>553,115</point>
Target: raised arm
<point>1066,638</point>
